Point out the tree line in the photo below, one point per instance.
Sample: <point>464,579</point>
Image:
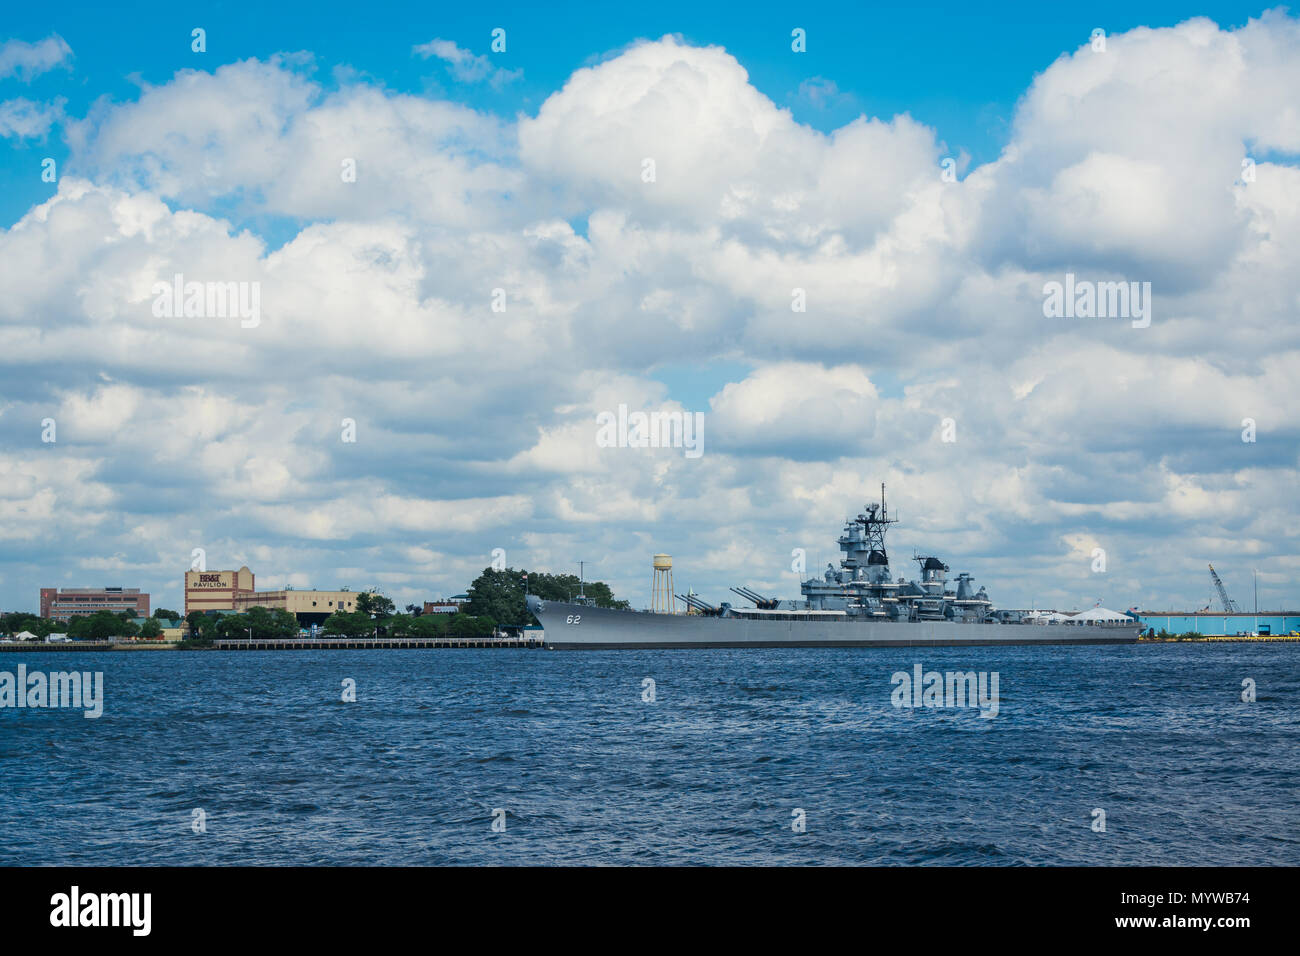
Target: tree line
<point>500,594</point>
<point>375,616</point>
<point>496,599</point>
<point>103,625</point>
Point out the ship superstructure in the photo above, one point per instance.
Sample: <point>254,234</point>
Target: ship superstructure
<point>864,586</point>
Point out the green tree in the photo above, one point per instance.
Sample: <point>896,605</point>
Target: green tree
<point>565,587</point>
<point>102,626</point>
<point>499,595</point>
<point>469,627</point>
<point>430,626</point>
<point>151,630</point>
<point>202,626</point>
<point>259,623</point>
<point>352,625</point>
<point>230,627</point>
<point>166,615</point>
<point>203,629</point>
<point>17,621</point>
<point>375,604</point>
<point>273,624</point>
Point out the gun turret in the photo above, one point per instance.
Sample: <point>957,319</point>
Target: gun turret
<point>767,604</point>
<point>695,604</point>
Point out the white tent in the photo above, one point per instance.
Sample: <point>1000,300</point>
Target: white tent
<point>1100,615</point>
<point>1048,617</point>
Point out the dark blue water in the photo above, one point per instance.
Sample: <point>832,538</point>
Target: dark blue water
<point>286,773</point>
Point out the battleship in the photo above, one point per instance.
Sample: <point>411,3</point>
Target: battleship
<point>860,604</point>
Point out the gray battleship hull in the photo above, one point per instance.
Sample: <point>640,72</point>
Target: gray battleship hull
<point>578,626</point>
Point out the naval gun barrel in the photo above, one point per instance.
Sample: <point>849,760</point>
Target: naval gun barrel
<point>696,604</point>
<point>758,599</point>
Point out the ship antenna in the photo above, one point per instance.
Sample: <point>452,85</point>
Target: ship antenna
<point>582,579</point>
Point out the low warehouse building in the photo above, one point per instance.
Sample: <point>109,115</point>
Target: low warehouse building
<point>310,607</point>
<point>1221,623</point>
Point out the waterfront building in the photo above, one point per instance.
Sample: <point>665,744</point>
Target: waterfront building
<point>171,630</point>
<point>233,592</point>
<point>68,603</point>
<point>216,590</point>
<point>442,607</point>
<point>310,607</point>
<point>1221,623</point>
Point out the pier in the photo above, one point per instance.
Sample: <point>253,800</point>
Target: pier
<point>294,644</point>
<point>41,646</point>
<point>1220,639</point>
<point>376,643</point>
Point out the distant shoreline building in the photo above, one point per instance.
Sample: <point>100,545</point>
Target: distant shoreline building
<point>216,590</point>
<point>172,631</point>
<point>309,607</point>
<point>64,604</point>
<point>1221,623</point>
<point>453,604</point>
<point>234,592</point>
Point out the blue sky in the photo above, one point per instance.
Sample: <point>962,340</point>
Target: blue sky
<point>777,171</point>
<point>957,67</point>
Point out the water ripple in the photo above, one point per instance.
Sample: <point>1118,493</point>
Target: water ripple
<point>562,750</point>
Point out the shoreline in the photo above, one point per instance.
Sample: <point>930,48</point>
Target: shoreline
<point>371,644</point>
<point>385,644</point>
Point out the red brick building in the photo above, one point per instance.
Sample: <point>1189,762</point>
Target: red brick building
<point>67,603</point>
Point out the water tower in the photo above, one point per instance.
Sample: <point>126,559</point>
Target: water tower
<point>662,600</point>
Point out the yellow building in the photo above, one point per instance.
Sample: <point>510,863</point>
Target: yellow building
<point>301,603</point>
<point>216,590</point>
<point>233,591</point>
<point>172,631</point>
